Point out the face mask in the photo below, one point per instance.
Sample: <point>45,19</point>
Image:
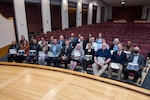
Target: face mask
<point>136,52</point>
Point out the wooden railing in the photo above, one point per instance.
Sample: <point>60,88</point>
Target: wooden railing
<point>4,51</point>
<point>105,80</point>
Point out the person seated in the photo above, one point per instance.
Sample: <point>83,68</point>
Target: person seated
<point>101,60</point>
<point>128,47</point>
<point>89,38</point>
<point>72,43</point>
<point>103,41</point>
<point>42,53</point>
<point>82,42</point>
<point>99,39</point>
<point>33,58</point>
<point>55,49</point>
<point>31,40</point>
<point>119,58</point>
<point>89,57</point>
<point>51,40</point>
<point>23,46</point>
<point>22,39</point>
<point>41,41</point>
<point>138,59</point>
<point>76,56</point>
<point>94,44</point>
<point>61,41</point>
<point>78,38</point>
<point>114,45</point>
<point>65,54</point>
<point>12,51</point>
<point>74,38</point>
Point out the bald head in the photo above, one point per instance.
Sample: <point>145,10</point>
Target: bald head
<point>104,45</point>
<point>136,50</point>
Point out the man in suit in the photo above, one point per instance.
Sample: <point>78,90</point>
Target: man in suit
<point>136,58</point>
<point>65,54</point>
<point>82,42</point>
<point>118,57</point>
<point>61,41</point>
<point>55,49</point>
<point>34,46</point>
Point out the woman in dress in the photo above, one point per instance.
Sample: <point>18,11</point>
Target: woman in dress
<point>76,56</point>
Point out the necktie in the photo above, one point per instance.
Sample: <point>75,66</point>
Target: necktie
<point>118,54</point>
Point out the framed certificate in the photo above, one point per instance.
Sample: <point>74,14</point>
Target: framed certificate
<point>101,60</point>
<point>41,53</point>
<point>12,51</point>
<point>77,54</point>
<point>50,54</point>
<point>133,66</point>
<point>21,52</point>
<point>32,52</point>
<point>88,57</point>
<point>114,65</point>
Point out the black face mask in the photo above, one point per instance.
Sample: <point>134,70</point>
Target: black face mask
<point>136,52</point>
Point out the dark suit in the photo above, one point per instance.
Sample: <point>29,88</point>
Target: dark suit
<point>83,45</point>
<point>33,58</point>
<point>65,52</point>
<point>121,59</point>
<point>61,43</point>
<point>137,73</point>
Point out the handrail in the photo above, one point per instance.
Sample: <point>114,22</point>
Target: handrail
<point>106,80</point>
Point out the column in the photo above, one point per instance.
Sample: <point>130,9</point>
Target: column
<point>20,17</point>
<point>90,13</point>
<point>46,17</point>
<point>79,14</point>
<point>64,14</point>
<point>98,18</point>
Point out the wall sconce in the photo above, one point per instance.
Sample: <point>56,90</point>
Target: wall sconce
<point>122,2</point>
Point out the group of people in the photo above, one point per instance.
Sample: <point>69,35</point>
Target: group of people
<point>85,52</point>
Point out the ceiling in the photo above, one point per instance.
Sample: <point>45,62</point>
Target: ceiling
<point>116,3</point>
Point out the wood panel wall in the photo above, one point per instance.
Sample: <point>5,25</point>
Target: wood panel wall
<point>56,17</point>
<point>128,13</point>
<point>34,17</point>
<point>72,16</point>
<point>84,16</point>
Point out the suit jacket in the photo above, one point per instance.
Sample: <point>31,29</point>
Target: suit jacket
<point>121,59</point>
<point>63,43</point>
<point>67,52</point>
<point>58,49</point>
<point>84,44</point>
<point>140,60</point>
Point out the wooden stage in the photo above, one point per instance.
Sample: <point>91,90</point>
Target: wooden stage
<point>35,82</point>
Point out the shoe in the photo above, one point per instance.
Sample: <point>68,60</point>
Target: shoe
<point>82,71</point>
<point>85,72</point>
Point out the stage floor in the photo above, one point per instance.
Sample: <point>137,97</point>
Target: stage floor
<point>36,82</point>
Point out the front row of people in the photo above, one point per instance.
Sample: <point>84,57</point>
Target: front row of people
<point>100,59</point>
